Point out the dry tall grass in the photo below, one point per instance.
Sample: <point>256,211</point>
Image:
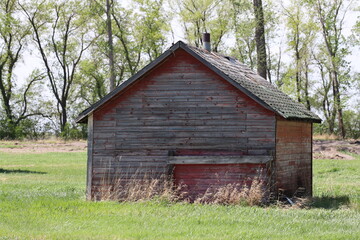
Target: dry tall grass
<point>139,189</point>
<point>235,194</point>
<point>164,188</point>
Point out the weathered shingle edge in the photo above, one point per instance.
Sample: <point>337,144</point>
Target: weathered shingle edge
<point>83,116</point>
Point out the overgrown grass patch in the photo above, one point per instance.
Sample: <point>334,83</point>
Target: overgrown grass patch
<point>42,197</point>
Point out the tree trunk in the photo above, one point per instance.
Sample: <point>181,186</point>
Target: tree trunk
<point>110,45</point>
<point>306,88</point>
<point>260,38</point>
<point>63,116</point>
<point>298,72</point>
<point>337,101</point>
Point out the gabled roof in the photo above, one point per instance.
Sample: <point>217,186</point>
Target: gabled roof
<point>234,72</point>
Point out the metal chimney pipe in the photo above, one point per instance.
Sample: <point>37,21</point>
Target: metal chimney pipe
<point>206,41</point>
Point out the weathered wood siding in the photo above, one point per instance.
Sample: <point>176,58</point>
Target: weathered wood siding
<point>181,105</point>
<point>294,156</point>
<point>196,179</point>
<point>90,158</point>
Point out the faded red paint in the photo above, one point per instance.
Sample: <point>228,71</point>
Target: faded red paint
<point>197,178</point>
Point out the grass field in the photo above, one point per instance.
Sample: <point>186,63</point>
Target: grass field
<point>42,197</point>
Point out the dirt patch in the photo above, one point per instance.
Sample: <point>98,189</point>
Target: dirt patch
<point>42,146</point>
<point>335,149</point>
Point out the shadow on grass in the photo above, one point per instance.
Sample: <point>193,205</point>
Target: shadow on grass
<point>9,171</point>
<point>329,202</point>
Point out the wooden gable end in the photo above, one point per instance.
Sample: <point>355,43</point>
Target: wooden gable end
<point>180,106</point>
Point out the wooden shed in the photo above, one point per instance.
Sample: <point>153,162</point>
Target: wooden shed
<point>206,119</point>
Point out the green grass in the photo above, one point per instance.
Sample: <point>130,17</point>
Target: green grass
<point>337,183</point>
<point>42,197</point>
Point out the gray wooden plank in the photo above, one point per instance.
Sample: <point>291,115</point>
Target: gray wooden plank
<point>194,134</point>
<point>175,116</point>
<point>219,159</point>
<point>182,125</point>
<point>178,128</point>
<point>180,141</point>
<point>203,146</point>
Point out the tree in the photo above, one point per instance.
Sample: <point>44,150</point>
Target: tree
<point>60,34</point>
<point>301,36</point>
<point>110,43</point>
<point>243,26</point>
<point>260,38</point>
<point>91,81</point>
<point>152,27</point>
<point>198,17</point>
<point>356,30</point>
<point>324,101</point>
<point>16,102</point>
<point>138,34</point>
<point>142,40</point>
<point>330,15</point>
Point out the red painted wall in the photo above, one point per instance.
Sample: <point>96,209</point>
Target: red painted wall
<point>197,178</point>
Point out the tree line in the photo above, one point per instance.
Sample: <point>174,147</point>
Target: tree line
<point>86,48</point>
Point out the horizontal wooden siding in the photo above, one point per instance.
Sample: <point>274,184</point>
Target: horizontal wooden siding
<point>179,105</point>
<point>294,156</point>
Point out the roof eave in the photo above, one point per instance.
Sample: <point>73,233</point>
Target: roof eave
<point>313,120</point>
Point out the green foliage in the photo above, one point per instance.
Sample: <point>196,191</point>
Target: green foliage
<point>61,33</point>
<point>198,17</point>
<point>153,27</point>
<point>73,132</point>
<point>352,123</point>
<point>244,24</point>
<point>355,37</point>
<point>300,38</point>
<point>26,129</point>
<point>139,36</point>
<point>321,128</point>
<point>7,130</point>
<point>91,81</point>
<point>18,101</point>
